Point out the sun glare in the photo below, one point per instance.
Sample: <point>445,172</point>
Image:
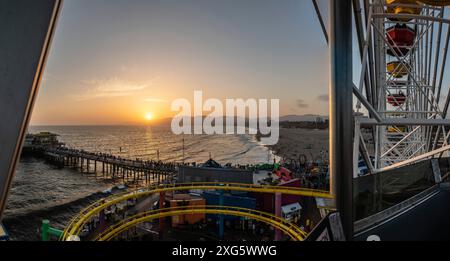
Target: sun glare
<point>148,116</point>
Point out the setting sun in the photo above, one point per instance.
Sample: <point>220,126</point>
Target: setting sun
<point>148,116</point>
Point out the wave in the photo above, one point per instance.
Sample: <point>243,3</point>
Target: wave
<point>26,226</point>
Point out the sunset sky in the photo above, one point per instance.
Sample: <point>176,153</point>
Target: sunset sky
<point>122,61</point>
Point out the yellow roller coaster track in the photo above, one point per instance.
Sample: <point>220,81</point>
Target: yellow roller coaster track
<point>77,223</point>
<point>294,232</point>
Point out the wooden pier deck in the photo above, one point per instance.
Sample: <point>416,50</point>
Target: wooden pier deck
<point>110,166</point>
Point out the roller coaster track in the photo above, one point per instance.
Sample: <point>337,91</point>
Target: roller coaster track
<point>294,232</point>
<point>79,221</point>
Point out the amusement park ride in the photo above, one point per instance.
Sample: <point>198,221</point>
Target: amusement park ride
<point>402,73</point>
<point>403,54</point>
<point>403,47</point>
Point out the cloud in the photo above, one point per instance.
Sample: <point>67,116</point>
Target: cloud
<point>323,97</point>
<point>113,87</point>
<point>155,100</point>
<point>301,104</point>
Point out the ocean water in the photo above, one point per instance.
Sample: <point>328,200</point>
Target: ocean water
<point>144,141</point>
<point>42,191</point>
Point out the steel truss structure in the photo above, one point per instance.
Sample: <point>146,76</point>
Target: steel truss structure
<point>403,49</point>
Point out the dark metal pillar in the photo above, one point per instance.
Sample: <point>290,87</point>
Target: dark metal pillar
<point>341,113</point>
<point>162,199</point>
<point>221,217</point>
<point>278,203</point>
<point>26,30</point>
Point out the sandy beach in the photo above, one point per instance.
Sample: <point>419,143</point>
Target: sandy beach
<point>296,142</point>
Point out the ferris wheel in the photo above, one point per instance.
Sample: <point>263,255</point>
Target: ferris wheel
<point>403,48</point>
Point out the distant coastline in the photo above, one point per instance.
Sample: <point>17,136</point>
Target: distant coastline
<point>300,135</point>
<point>167,122</point>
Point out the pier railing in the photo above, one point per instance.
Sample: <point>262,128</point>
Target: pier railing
<point>110,166</point>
